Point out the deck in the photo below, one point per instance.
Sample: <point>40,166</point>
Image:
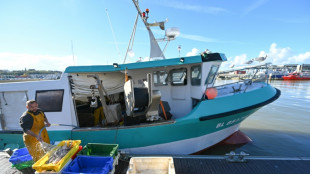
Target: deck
<point>5,166</point>
<point>254,165</point>
<point>207,164</point>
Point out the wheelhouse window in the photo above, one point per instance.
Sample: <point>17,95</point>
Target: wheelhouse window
<point>179,77</point>
<point>50,100</point>
<point>196,75</point>
<point>212,74</point>
<point>160,78</point>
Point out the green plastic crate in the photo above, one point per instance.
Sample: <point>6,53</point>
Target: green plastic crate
<point>23,165</point>
<point>97,149</point>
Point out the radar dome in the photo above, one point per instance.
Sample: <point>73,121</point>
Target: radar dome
<point>173,32</point>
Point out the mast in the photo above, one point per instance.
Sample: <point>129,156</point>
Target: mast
<point>155,49</point>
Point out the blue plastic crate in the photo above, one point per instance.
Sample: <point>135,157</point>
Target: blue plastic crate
<point>21,152</point>
<point>89,164</point>
<point>20,156</point>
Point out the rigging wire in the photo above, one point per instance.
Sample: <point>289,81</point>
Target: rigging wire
<point>132,38</point>
<point>115,42</point>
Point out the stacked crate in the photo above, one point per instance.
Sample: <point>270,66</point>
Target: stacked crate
<point>90,164</point>
<point>105,150</point>
<point>95,158</point>
<point>21,159</point>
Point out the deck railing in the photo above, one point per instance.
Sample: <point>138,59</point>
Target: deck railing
<point>250,78</point>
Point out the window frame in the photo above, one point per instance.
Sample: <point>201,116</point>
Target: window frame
<point>199,66</point>
<point>178,70</point>
<point>59,107</point>
<point>158,73</point>
<point>212,74</point>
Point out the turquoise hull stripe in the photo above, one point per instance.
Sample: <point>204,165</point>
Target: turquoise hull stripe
<point>138,65</point>
<point>59,135</point>
<point>185,128</point>
<point>231,103</point>
<point>8,138</point>
<point>17,138</point>
<point>147,136</point>
<point>209,117</point>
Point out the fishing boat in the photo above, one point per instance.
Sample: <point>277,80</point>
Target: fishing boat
<point>297,76</point>
<point>163,106</point>
<point>302,72</point>
<point>276,72</point>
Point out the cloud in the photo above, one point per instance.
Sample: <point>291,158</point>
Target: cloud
<point>190,37</point>
<point>15,61</point>
<point>254,6</point>
<point>194,52</point>
<point>239,60</point>
<point>276,56</point>
<point>225,65</point>
<point>301,58</point>
<point>189,7</point>
<point>197,38</point>
<point>280,56</point>
<point>140,59</point>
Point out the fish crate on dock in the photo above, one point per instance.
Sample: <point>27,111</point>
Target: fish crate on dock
<point>90,164</point>
<point>21,159</point>
<point>23,165</point>
<point>148,165</point>
<point>52,171</point>
<point>103,150</point>
<point>47,164</point>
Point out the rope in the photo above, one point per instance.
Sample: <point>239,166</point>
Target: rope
<point>162,107</point>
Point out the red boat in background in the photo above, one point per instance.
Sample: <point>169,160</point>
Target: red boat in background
<point>297,76</point>
<point>302,72</point>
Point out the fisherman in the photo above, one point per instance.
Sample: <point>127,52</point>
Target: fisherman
<point>32,121</point>
<point>99,115</point>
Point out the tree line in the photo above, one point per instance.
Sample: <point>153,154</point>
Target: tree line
<point>28,72</point>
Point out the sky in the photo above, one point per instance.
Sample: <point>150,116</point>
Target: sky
<point>54,34</point>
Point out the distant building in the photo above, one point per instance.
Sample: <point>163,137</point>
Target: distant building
<point>239,72</point>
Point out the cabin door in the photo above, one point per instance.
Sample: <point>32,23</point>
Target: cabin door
<point>180,94</point>
<point>12,106</point>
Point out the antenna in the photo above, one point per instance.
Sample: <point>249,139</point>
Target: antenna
<point>118,52</point>
<point>72,53</point>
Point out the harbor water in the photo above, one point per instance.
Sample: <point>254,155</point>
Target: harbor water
<point>281,128</point>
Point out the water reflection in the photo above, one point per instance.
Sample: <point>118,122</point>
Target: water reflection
<point>281,128</point>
